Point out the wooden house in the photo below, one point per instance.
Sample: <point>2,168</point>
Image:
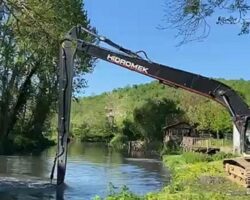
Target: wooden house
<point>176,132</point>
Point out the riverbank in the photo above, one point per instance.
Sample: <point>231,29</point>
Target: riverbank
<point>24,145</point>
<point>200,178</point>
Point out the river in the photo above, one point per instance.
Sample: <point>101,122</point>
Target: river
<point>92,170</point>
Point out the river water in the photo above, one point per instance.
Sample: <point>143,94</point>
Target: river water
<point>92,170</point>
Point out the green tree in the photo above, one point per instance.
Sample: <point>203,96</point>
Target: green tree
<point>152,116</point>
<point>129,103</point>
<point>30,33</point>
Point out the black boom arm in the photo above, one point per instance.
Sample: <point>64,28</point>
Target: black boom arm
<point>125,58</point>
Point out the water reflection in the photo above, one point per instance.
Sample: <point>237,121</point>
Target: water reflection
<point>25,165</point>
<point>91,168</point>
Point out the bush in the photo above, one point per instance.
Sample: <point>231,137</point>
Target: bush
<point>170,148</point>
<point>22,144</point>
<point>222,155</point>
<point>123,194</point>
<point>118,142</point>
<point>191,157</point>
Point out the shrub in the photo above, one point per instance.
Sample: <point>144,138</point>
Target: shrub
<point>191,157</point>
<point>118,142</point>
<point>222,155</point>
<point>123,194</point>
<point>170,148</point>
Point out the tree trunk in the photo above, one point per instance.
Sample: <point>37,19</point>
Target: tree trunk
<point>21,101</point>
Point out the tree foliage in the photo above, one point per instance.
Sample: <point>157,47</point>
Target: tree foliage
<point>190,17</point>
<point>30,35</point>
<point>141,111</point>
<point>153,115</point>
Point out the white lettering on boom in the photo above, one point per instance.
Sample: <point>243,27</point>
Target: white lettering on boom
<point>127,64</point>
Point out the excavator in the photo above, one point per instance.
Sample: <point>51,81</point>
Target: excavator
<point>237,168</point>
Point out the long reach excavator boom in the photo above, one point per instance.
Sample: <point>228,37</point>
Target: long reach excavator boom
<point>238,168</point>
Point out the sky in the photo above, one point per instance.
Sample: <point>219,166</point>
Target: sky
<point>133,24</point>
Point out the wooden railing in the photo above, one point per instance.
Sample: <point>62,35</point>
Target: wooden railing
<point>193,143</point>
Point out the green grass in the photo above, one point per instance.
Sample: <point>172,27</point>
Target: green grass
<point>193,178</point>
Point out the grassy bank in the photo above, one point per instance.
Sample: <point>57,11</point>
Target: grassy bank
<point>198,177</point>
<point>194,177</point>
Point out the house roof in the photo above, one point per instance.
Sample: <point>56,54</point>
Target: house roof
<point>176,125</point>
